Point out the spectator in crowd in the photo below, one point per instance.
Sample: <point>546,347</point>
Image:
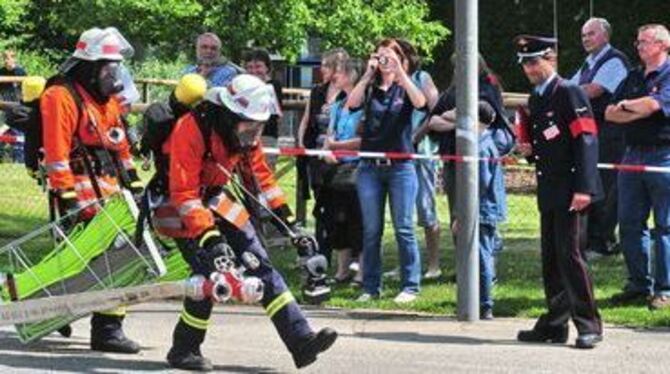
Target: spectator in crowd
<point>313,130</point>
<point>441,127</point>
<point>425,169</point>
<point>562,141</point>
<point>491,204</point>
<point>10,91</point>
<point>388,98</point>
<point>216,69</point>
<point>257,62</point>
<point>642,109</point>
<point>342,209</point>
<point>600,75</point>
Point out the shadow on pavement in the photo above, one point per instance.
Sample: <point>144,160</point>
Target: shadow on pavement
<point>413,337</point>
<point>85,362</point>
<point>9,341</point>
<point>245,369</point>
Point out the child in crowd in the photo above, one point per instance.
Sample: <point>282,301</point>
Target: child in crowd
<point>491,207</point>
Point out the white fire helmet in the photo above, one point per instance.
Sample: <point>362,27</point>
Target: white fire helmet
<point>99,44</point>
<point>102,44</point>
<point>248,96</point>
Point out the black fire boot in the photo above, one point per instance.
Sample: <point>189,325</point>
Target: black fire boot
<point>185,352</point>
<point>312,345</point>
<point>65,331</point>
<point>107,335</point>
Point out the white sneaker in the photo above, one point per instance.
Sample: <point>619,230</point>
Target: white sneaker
<point>432,274</point>
<point>365,297</point>
<point>395,273</point>
<point>405,297</point>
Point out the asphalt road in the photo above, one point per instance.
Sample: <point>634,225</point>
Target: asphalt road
<point>242,340</point>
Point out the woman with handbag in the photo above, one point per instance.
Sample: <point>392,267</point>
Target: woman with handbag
<point>341,204</point>
<point>312,133</point>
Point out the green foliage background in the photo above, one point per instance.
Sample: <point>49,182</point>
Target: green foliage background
<point>166,29</point>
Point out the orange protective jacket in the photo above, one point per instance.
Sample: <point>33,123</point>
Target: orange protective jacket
<point>63,128</point>
<point>191,173</point>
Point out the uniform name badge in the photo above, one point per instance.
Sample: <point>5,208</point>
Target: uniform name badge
<point>551,132</point>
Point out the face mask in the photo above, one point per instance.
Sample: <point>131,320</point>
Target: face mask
<point>109,79</point>
<point>247,133</point>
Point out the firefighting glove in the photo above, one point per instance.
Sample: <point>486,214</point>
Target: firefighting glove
<point>134,184</point>
<point>288,223</point>
<point>68,207</point>
<point>67,202</point>
<point>306,244</point>
<point>213,253</point>
<point>310,260</point>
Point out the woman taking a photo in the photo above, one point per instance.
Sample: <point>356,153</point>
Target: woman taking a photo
<point>388,98</point>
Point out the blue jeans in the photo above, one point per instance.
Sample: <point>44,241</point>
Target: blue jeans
<point>487,272</point>
<point>639,193</point>
<point>398,181</point>
<point>425,197</point>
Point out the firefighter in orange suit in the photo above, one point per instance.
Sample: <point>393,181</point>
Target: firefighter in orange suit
<point>86,151</point>
<point>207,146</point>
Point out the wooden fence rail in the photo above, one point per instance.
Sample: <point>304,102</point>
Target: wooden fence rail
<point>294,98</point>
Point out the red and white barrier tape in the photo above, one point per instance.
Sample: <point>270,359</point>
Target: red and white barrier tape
<point>290,151</point>
<point>11,139</point>
<point>456,158</point>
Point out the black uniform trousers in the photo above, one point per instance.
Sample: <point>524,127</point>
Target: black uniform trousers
<point>281,307</point>
<point>567,285</point>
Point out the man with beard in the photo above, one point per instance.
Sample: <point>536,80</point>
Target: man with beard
<point>216,69</point>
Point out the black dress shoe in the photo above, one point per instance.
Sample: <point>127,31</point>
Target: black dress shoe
<point>554,335</point>
<point>188,361</point>
<point>312,346</point>
<point>588,341</point>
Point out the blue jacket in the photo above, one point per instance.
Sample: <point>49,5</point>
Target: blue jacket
<point>220,76</point>
<point>492,197</point>
<point>344,123</point>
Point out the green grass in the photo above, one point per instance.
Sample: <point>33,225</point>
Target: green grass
<point>518,292</point>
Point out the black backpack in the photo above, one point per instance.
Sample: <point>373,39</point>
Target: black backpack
<point>159,121</point>
<point>26,117</point>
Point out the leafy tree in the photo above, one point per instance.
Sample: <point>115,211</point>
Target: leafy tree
<point>11,28</point>
<point>166,28</point>
<point>357,24</point>
<point>164,25</point>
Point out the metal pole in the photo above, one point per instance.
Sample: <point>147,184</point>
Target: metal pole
<point>467,173</point>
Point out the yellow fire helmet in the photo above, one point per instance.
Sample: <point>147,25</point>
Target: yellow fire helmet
<point>190,89</point>
<point>32,88</point>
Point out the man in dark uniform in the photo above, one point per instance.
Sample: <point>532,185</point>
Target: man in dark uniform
<point>602,72</point>
<point>560,137</point>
